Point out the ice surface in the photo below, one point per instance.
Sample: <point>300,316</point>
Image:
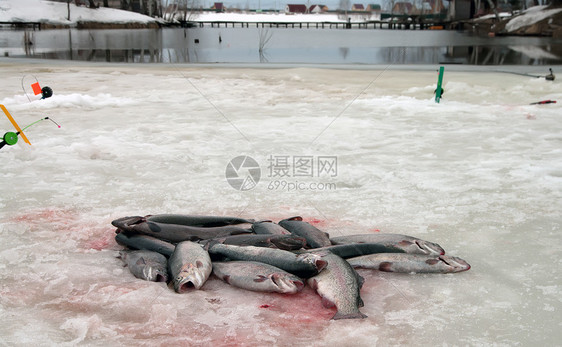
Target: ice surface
<point>480,174</point>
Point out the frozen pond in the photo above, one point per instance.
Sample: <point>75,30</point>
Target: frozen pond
<point>281,45</point>
<point>479,173</point>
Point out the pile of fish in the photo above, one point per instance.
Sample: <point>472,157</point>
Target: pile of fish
<point>269,257</point>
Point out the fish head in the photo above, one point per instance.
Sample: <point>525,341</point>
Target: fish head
<point>430,247</point>
<point>286,284</point>
<point>126,223</point>
<point>421,247</point>
<point>155,274</point>
<point>453,264</point>
<point>314,259</point>
<point>190,276</point>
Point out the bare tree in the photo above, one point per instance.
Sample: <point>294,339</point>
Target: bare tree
<point>345,5</point>
<point>185,9</point>
<point>264,37</point>
<point>390,5</point>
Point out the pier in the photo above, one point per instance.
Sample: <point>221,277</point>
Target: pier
<point>321,25</point>
<point>22,25</point>
<point>400,22</point>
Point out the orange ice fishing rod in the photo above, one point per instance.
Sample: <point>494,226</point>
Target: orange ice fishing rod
<point>10,138</point>
<point>13,121</point>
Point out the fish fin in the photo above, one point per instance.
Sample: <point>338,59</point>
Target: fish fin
<point>385,266</point>
<point>226,278</point>
<point>360,302</point>
<point>313,284</point>
<point>349,315</point>
<point>206,245</point>
<point>432,261</point>
<point>260,278</point>
<point>360,279</point>
<point>327,302</point>
<point>141,261</point>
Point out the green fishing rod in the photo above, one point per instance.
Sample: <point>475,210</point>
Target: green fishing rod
<point>10,138</point>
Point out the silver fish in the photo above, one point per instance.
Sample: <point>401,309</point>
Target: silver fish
<point>268,227</point>
<point>408,244</point>
<point>197,220</point>
<point>287,242</point>
<point>354,249</point>
<point>339,285</point>
<point>178,233</point>
<point>302,265</point>
<point>410,263</point>
<point>146,265</point>
<point>315,237</point>
<point>257,276</point>
<point>189,266</point>
<point>149,243</point>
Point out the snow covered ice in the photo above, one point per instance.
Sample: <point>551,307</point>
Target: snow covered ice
<point>479,173</point>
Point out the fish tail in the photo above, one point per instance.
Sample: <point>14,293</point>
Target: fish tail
<point>354,315</point>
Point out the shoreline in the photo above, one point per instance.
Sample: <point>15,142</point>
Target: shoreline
<point>508,69</point>
<point>540,21</point>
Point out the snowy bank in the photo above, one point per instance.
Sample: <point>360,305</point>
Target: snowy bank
<point>55,14</point>
<point>538,20</point>
<point>535,21</point>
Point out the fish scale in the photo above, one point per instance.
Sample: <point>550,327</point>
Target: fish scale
<point>339,285</point>
<point>257,276</point>
<point>315,237</point>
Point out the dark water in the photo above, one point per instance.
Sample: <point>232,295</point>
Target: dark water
<point>280,45</point>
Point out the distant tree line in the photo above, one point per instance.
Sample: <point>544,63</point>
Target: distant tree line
<point>147,7</point>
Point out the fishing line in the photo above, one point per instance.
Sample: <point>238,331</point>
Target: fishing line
<point>549,77</point>
<point>212,104</point>
<point>22,87</point>
<point>356,97</point>
<point>520,74</point>
<point>40,120</point>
